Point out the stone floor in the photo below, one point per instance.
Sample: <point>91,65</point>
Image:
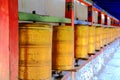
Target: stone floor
<point>111,71</point>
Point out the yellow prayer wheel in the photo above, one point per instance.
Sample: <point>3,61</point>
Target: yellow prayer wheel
<point>105,29</point>
<point>98,43</point>
<point>119,32</point>
<point>114,33</point>
<point>63,48</point>
<point>101,37</point>
<point>35,51</point>
<point>117,29</point>
<point>111,35</point>
<point>91,40</point>
<point>81,42</point>
<point>108,34</point>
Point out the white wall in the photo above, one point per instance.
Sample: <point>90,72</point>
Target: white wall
<point>54,8</point>
<point>103,18</point>
<point>81,11</point>
<point>30,5</point>
<point>43,7</point>
<point>95,16</point>
<point>109,21</point>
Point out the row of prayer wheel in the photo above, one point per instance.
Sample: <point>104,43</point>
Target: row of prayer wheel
<point>44,48</point>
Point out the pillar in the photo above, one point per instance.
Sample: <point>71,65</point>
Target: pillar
<point>90,14</point>
<point>99,18</point>
<point>69,10</point>
<point>9,40</point>
<point>106,20</point>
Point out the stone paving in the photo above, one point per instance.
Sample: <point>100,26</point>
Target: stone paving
<point>111,70</point>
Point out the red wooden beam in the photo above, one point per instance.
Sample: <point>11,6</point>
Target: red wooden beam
<point>69,11</point>
<point>95,9</point>
<point>9,40</point>
<point>99,18</point>
<point>111,21</point>
<point>106,20</point>
<point>116,23</point>
<point>90,14</point>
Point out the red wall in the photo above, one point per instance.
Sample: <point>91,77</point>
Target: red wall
<point>8,39</point>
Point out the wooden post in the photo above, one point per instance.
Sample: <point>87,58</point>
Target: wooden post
<point>69,11</point>
<point>90,14</point>
<point>9,40</point>
<point>106,20</point>
<point>99,18</point>
<point>111,22</point>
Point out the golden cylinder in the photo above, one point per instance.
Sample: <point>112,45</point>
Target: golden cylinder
<point>104,36</point>
<point>101,37</point>
<point>81,42</point>
<point>63,48</point>
<point>98,43</point>
<point>35,51</point>
<point>91,40</point>
<point>108,34</point>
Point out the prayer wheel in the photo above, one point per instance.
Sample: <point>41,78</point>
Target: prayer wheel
<point>91,40</point>
<point>98,43</point>
<point>81,42</point>
<point>63,48</point>
<point>35,51</point>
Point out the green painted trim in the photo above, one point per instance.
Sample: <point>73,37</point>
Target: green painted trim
<point>97,25</point>
<point>39,18</point>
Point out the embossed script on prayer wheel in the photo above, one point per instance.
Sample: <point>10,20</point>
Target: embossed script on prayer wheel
<point>91,40</point>
<point>98,43</point>
<point>35,51</point>
<point>81,42</point>
<point>101,37</point>
<point>63,48</point>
